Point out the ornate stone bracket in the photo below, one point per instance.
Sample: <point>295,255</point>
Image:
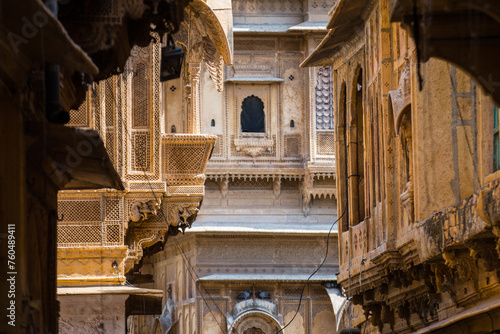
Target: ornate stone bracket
<point>444,280</point>
<point>138,240</point>
<point>307,184</point>
<point>253,147</point>
<point>464,264</point>
<point>141,211</point>
<point>182,215</point>
<point>172,216</point>
<point>224,186</point>
<point>277,186</point>
<point>483,251</point>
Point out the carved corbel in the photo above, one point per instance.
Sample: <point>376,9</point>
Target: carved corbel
<point>464,264</point>
<point>139,238</point>
<point>374,311</point>
<point>277,186</point>
<point>307,185</point>
<point>484,251</point>
<point>444,280</point>
<point>387,316</point>
<point>404,312</point>
<point>425,306</point>
<point>181,215</point>
<point>224,186</point>
<point>214,63</point>
<point>141,211</point>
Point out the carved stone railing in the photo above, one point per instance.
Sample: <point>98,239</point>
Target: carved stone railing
<point>353,246</point>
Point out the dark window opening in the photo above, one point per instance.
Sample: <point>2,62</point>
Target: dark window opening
<point>252,115</point>
<point>292,124</point>
<point>212,123</point>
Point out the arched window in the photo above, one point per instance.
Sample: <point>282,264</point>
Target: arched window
<point>342,157</point>
<point>252,115</point>
<point>356,151</point>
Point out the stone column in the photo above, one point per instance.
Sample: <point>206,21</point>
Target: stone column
<point>194,111</point>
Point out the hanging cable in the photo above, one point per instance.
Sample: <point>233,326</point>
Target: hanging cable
<point>314,272</point>
<point>185,259</point>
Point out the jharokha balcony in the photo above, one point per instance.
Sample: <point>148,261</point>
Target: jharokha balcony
<point>102,234</point>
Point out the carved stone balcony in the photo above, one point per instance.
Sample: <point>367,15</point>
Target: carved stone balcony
<point>353,246</point>
<point>185,157</point>
<point>103,234</point>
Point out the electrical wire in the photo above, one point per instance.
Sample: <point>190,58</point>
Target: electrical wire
<point>186,260</point>
<point>314,272</point>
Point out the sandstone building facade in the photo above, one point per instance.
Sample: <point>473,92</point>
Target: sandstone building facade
<point>268,192</point>
<point>102,234</point>
<point>417,164</point>
<point>270,197</point>
<point>51,51</point>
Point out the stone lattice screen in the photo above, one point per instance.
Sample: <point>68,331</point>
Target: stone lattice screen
<point>90,221</point>
<point>323,100</point>
<point>80,117</point>
<point>325,142</point>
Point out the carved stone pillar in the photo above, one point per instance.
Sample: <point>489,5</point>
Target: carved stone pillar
<point>194,111</point>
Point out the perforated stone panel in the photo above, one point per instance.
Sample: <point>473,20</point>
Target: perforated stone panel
<point>79,117</point>
<point>157,186</point>
<point>96,106</point>
<point>184,160</point>
<point>140,85</point>
<point>85,209</point>
<point>141,113</point>
<point>292,146</point>
<point>141,148</point>
<point>324,98</point>
<point>79,234</point>
<point>109,98</point>
<point>325,142</point>
<point>90,221</point>
<point>268,7</point>
<point>260,183</point>
<point>113,209</point>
